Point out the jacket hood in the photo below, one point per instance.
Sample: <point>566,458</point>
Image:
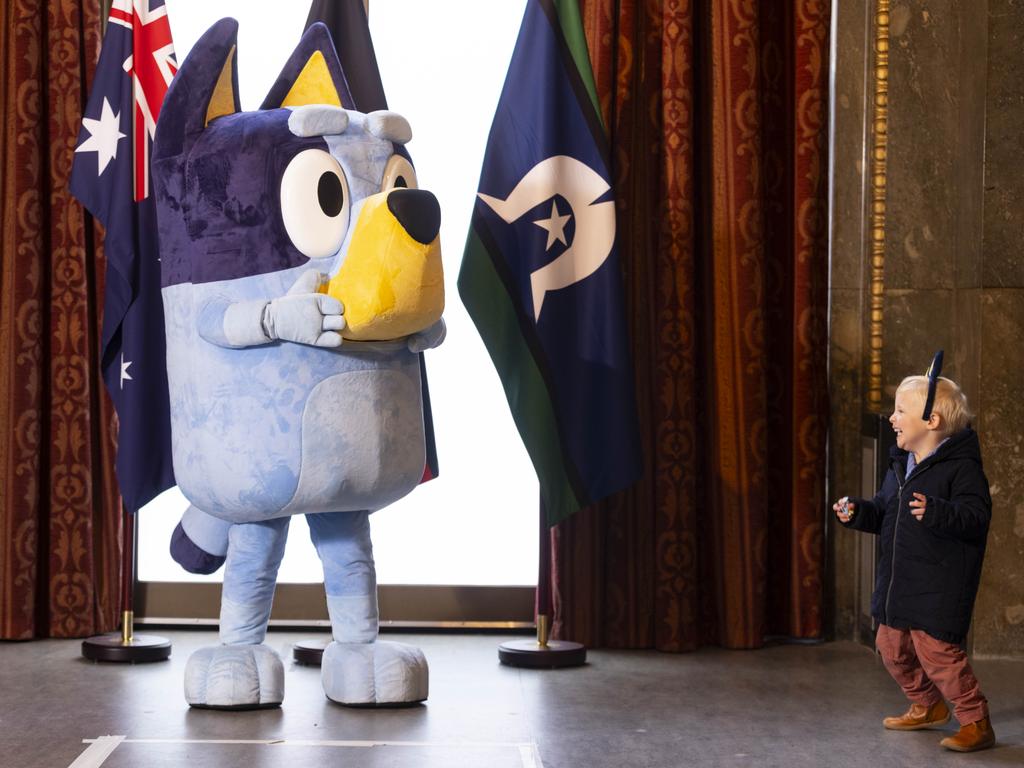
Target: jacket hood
<point>960,445</point>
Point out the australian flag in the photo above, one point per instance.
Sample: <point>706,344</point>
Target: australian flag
<point>110,177</point>
<point>540,275</point>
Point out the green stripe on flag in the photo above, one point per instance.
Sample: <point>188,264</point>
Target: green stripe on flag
<point>572,30</point>
<point>491,308</point>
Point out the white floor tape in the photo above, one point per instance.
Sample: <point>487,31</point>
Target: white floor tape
<point>99,749</point>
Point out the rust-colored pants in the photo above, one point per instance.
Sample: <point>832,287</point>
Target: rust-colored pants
<point>929,670</point>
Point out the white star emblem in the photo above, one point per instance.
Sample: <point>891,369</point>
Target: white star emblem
<point>124,371</point>
<point>555,226</point>
<point>103,136</point>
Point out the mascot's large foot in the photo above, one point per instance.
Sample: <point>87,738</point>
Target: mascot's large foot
<point>374,674</point>
<point>234,677</point>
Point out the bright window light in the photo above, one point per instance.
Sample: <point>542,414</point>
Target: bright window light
<point>443,64</point>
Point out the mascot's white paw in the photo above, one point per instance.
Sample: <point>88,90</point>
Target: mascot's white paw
<point>234,677</point>
<point>374,674</point>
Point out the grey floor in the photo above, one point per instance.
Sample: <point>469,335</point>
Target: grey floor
<point>782,706</point>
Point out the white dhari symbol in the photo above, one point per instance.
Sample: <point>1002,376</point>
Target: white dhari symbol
<point>580,185</point>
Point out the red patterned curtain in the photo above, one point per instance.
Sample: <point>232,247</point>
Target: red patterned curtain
<point>59,520</point>
<point>717,115</point>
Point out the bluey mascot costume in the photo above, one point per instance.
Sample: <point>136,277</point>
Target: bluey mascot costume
<point>301,275</point>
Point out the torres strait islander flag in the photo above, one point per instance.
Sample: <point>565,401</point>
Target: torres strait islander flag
<point>110,177</point>
<point>540,274</point>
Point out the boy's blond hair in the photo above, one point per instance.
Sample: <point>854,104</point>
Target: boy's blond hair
<point>950,402</point>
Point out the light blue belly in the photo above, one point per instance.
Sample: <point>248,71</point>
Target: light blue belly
<point>371,457</point>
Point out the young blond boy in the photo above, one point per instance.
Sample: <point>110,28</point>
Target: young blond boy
<point>932,514</point>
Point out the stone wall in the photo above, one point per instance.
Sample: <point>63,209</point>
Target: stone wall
<point>999,616</point>
<point>954,274</point>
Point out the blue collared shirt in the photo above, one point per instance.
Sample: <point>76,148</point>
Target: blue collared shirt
<point>912,462</point>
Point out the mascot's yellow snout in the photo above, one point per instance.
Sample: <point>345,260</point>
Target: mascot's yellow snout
<point>391,282</point>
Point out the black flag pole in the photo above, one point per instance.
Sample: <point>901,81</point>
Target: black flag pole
<point>126,646</point>
<point>543,653</point>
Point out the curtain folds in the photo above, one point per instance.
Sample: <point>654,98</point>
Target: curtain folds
<point>59,517</point>
<point>717,116</point>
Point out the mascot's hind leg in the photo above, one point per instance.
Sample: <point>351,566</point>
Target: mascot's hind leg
<point>242,672</point>
<point>357,669</point>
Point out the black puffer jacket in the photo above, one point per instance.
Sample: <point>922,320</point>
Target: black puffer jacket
<point>929,570</point>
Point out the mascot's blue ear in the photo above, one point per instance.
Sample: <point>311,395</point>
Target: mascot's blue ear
<point>205,88</point>
<point>312,75</point>
<point>347,21</point>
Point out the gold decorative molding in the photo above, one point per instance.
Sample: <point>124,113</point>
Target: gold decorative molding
<point>879,153</point>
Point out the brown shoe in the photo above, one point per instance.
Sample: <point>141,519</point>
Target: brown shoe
<point>971,737</point>
<point>919,716</point>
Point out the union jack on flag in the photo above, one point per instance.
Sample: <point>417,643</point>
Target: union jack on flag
<point>110,177</point>
<point>151,70</point>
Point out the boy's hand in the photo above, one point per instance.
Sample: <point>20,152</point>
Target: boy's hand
<point>917,506</point>
<point>844,509</point>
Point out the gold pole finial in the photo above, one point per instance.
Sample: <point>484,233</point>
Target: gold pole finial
<point>127,620</point>
<point>543,630</point>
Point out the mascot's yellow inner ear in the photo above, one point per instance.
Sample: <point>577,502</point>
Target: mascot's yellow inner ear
<point>313,85</point>
<point>222,102</point>
<point>390,284</point>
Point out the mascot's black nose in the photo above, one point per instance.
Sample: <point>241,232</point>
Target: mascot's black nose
<point>416,210</point>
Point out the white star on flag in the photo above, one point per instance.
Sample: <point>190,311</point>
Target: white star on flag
<point>555,226</point>
<point>124,371</point>
<point>103,136</point>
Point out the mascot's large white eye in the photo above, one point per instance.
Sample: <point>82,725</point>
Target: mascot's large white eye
<point>315,203</point>
<point>398,174</point>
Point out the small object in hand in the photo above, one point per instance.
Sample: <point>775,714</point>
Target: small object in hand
<point>845,509</point>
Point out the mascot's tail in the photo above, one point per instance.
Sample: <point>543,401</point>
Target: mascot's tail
<point>199,543</point>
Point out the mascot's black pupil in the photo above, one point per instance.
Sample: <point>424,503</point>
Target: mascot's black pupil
<point>401,183</point>
<point>330,194</point>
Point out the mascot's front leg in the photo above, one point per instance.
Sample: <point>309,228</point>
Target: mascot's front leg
<point>357,668</point>
<point>242,672</point>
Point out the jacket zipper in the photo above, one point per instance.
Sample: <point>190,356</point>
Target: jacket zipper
<point>899,506</point>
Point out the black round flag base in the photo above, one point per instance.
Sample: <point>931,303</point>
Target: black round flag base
<point>309,652</point>
<point>140,649</point>
<point>529,653</point>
